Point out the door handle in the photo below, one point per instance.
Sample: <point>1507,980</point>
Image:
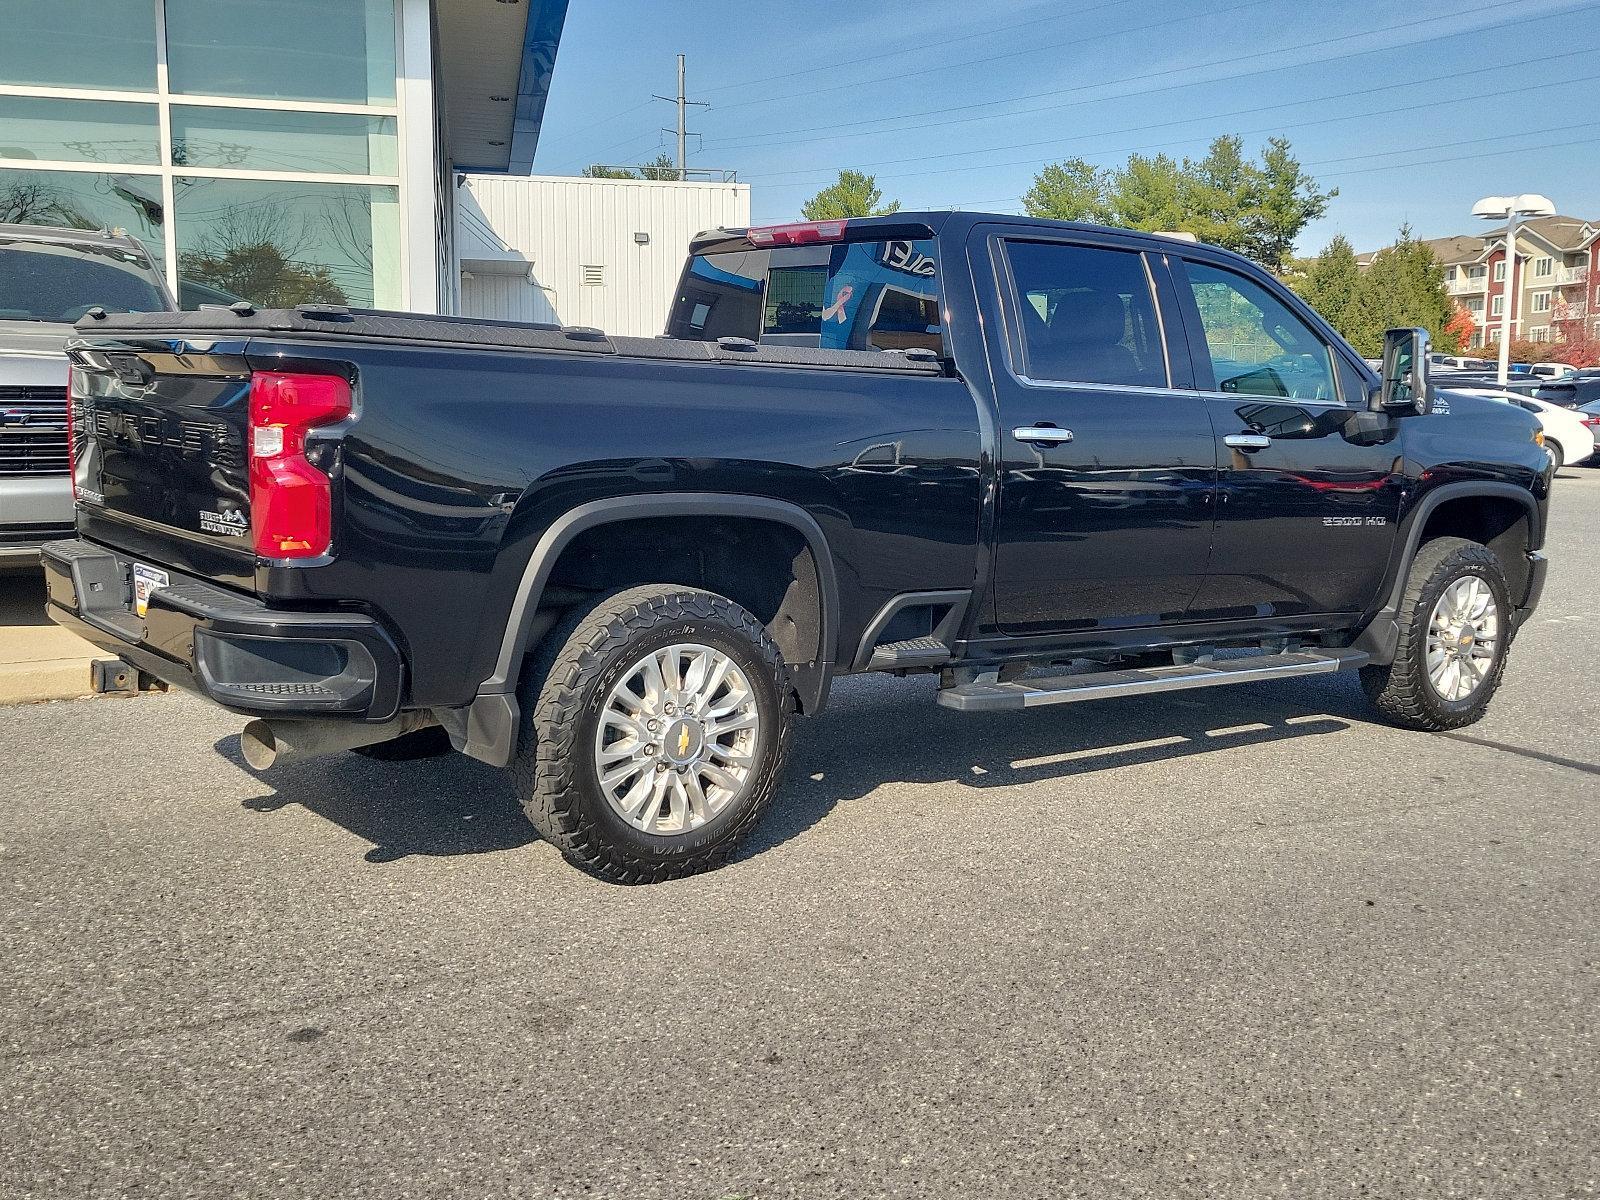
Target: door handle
<point>1042,435</point>
<point>1247,441</point>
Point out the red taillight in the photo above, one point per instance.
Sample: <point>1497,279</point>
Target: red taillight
<point>291,501</point>
<point>796,235</point>
<point>72,442</point>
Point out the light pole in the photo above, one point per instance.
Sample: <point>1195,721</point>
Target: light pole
<point>1510,209</point>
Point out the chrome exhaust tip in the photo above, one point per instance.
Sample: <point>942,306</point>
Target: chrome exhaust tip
<point>267,743</point>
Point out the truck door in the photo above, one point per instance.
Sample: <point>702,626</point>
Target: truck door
<point>1106,470</point>
<point>1307,496</point>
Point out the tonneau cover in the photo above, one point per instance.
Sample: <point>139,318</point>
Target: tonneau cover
<point>418,329</point>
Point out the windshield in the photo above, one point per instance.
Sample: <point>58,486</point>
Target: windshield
<point>49,281</point>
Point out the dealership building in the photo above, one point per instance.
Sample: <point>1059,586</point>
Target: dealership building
<point>281,150</point>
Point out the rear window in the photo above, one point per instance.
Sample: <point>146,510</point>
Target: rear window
<point>845,296</point>
<point>43,281</point>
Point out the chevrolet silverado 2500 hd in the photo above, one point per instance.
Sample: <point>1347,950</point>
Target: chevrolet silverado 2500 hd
<point>1049,462</point>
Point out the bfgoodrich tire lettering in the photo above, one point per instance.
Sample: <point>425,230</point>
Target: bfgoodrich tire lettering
<point>566,691</point>
<point>1403,691</point>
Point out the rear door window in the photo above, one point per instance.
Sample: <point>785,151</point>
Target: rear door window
<point>879,295</point>
<point>1087,315</point>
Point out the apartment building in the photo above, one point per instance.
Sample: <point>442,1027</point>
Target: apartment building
<point>1557,284</point>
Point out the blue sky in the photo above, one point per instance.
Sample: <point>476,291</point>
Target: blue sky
<point>953,103</point>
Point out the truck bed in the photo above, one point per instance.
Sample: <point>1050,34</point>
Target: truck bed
<point>414,329</point>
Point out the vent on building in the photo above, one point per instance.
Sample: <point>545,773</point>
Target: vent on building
<point>592,274</point>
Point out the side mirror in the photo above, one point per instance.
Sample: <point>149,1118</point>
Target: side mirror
<point>1405,386</point>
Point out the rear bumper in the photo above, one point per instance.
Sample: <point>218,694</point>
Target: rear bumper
<point>230,648</point>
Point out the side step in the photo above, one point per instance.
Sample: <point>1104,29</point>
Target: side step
<point>1143,681</point>
<point>913,652</point>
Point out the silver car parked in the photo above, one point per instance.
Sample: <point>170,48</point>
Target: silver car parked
<point>48,279</point>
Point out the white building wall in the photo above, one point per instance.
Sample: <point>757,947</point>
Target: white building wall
<point>529,246</point>
<point>419,181</point>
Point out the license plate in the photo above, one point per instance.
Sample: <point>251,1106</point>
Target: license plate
<point>146,580</point>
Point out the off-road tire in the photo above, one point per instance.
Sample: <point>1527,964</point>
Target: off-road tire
<point>1401,691</point>
<point>562,694</point>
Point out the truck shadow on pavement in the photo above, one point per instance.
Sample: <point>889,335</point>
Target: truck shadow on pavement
<point>433,806</point>
<point>876,731</point>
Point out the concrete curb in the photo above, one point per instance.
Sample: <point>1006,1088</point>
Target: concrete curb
<point>50,679</point>
<point>39,660</point>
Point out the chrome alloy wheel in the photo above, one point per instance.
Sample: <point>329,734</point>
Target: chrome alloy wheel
<point>677,739</point>
<point>1463,636</point>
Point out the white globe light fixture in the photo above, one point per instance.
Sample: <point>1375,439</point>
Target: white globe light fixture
<point>1511,209</point>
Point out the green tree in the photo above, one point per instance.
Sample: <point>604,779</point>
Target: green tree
<point>1257,207</point>
<point>597,171</point>
<point>662,166</point>
<point>1148,194</point>
<point>854,194</point>
<point>1068,191</point>
<point>1403,287</point>
<point>1216,194</point>
<point>1286,201</point>
<point>1329,281</point>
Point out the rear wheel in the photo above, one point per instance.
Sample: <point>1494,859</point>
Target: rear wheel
<point>1454,634</point>
<point>1558,456</point>
<point>654,730</point>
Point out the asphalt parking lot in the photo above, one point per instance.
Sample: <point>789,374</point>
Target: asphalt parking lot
<point>1242,943</point>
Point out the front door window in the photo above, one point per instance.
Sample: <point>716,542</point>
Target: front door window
<point>1258,346</point>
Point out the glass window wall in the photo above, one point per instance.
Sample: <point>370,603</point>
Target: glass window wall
<point>108,131</point>
<point>331,50</point>
<point>109,45</point>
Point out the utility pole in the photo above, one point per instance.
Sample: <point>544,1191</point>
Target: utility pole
<point>683,103</point>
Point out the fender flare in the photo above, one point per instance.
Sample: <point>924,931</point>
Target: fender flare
<point>1417,520</point>
<point>536,575</point>
<point>1382,633</point>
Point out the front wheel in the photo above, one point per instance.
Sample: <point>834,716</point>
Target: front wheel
<point>1454,633</point>
<point>655,726</point>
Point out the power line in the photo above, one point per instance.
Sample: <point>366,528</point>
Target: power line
<point>1540,60</point>
<point>833,129</point>
<point>565,137</point>
<point>683,103</point>
<point>1074,42</point>
<point>1409,162</point>
<point>1275,128</point>
<point>944,42</point>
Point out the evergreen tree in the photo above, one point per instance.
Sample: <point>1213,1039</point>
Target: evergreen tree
<point>1330,281</point>
<point>1403,287</point>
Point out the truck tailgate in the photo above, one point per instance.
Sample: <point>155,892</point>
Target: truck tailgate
<point>160,455</point>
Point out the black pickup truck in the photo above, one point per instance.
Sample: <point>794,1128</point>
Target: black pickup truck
<point>1050,462</point>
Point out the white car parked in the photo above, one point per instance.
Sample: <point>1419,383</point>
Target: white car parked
<point>1567,438</point>
<point>1551,370</point>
